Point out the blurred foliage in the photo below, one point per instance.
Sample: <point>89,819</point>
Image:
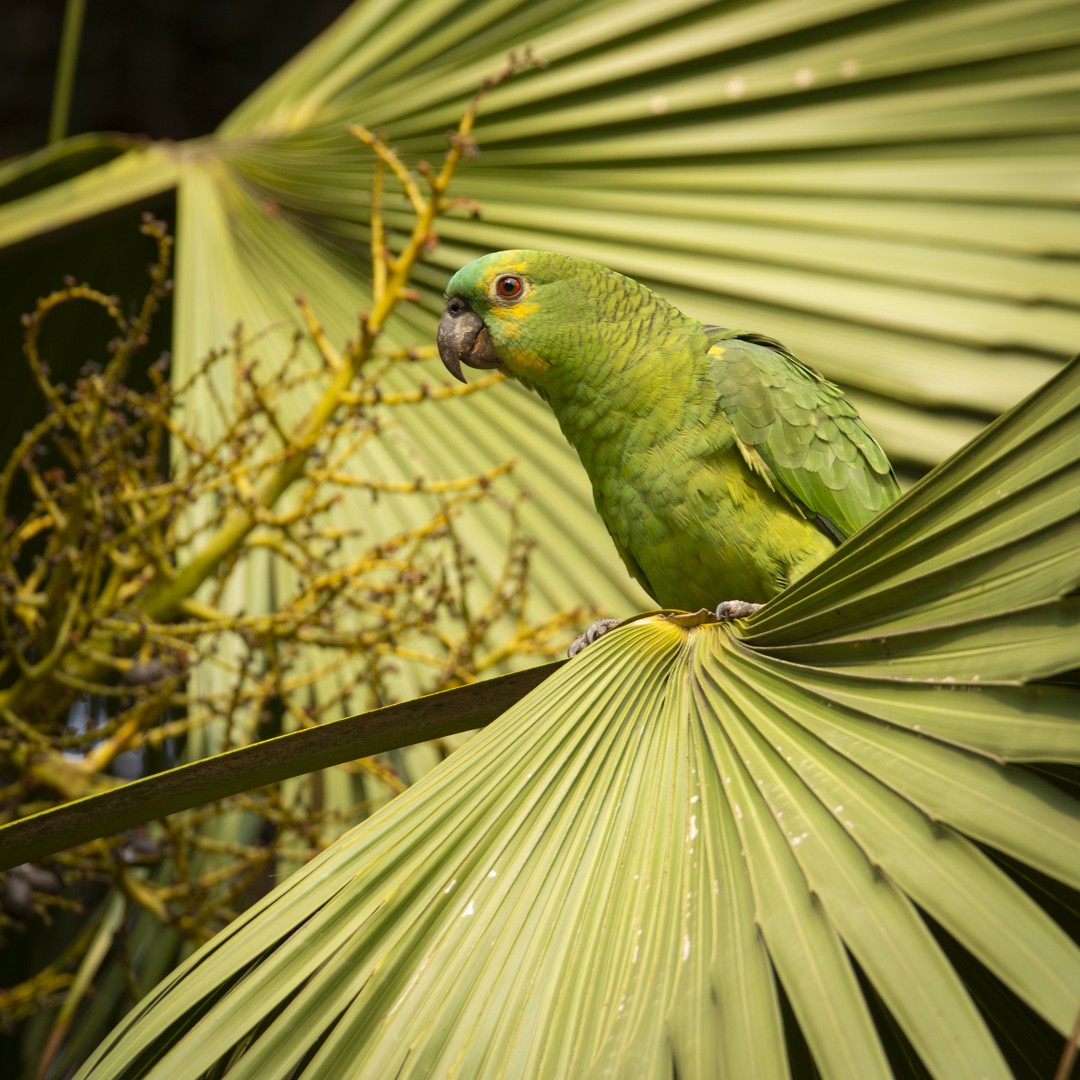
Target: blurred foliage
<point>116,651</point>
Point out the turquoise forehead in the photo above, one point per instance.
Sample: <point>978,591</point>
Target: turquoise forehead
<point>477,275</point>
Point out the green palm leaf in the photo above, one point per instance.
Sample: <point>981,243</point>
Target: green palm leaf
<point>886,188</point>
<point>632,869</point>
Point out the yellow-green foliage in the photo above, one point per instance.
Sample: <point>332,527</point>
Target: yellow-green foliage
<point>122,647</point>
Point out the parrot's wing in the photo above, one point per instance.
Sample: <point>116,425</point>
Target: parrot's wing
<point>799,432</point>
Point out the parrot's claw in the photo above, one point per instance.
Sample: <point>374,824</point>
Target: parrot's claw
<point>598,629</point>
<point>735,609</point>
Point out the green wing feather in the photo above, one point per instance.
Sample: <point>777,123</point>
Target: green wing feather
<point>800,433</point>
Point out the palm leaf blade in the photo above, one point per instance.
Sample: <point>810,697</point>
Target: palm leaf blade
<point>565,893</point>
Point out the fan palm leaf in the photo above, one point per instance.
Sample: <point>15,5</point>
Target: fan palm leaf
<point>632,869</point>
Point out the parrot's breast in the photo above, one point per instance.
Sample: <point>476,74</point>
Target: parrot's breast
<point>692,523</point>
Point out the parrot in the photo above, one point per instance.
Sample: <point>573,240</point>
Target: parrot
<point>723,468</point>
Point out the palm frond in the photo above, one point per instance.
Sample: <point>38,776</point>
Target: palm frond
<point>622,872</point>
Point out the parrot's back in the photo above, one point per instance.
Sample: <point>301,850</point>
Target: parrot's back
<point>726,474</point>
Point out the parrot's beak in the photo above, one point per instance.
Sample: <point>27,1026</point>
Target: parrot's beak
<point>463,338</point>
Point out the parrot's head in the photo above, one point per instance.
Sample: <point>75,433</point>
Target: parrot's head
<point>534,315</point>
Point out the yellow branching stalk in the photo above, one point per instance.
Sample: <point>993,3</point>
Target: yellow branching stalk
<point>109,602</point>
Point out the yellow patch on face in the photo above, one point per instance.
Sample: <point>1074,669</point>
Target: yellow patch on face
<point>507,266</point>
<point>510,314</point>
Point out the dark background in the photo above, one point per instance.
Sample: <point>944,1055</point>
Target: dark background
<point>169,69</point>
<point>164,68</point>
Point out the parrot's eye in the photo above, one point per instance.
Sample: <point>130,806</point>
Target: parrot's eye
<point>508,287</point>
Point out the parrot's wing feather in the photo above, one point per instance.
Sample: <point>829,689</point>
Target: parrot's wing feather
<point>799,432</point>
<point>631,564</point>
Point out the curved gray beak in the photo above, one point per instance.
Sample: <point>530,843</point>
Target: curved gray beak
<point>463,339</point>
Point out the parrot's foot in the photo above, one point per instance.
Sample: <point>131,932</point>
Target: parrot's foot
<point>735,609</point>
<point>598,629</point>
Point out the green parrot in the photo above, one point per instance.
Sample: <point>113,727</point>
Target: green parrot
<point>721,465</point>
